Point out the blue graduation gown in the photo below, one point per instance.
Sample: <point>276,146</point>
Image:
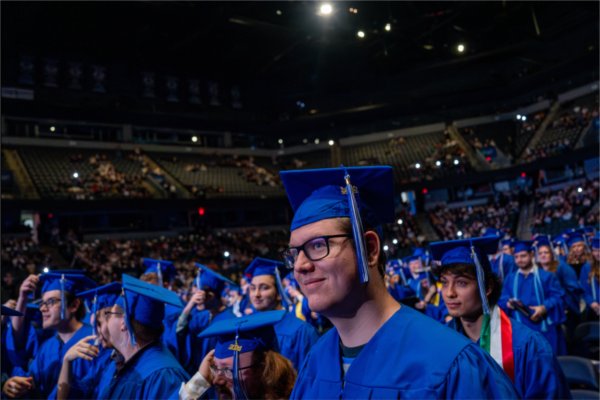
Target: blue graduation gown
<point>415,284</point>
<point>553,301</point>
<point>508,265</point>
<point>537,372</point>
<point>47,363</point>
<point>591,292</point>
<point>400,292</point>
<point>295,338</point>
<point>410,356</point>
<point>584,274</point>
<point>152,373</point>
<point>19,357</point>
<point>570,284</point>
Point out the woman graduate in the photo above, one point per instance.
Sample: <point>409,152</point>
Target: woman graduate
<point>471,290</point>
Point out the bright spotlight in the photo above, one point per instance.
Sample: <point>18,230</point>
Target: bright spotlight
<point>417,165</point>
<point>226,254</point>
<point>317,141</point>
<point>579,190</point>
<point>360,34</point>
<point>523,118</point>
<point>325,9</point>
<point>388,27</point>
<point>305,140</point>
<point>459,233</point>
<point>456,161</point>
<point>52,129</point>
<point>519,117</point>
<point>194,139</point>
<point>438,163</point>
<point>46,270</point>
<point>331,142</point>
<point>395,241</point>
<point>460,48</point>
<point>75,175</point>
<point>386,248</point>
<point>400,222</point>
<point>280,141</point>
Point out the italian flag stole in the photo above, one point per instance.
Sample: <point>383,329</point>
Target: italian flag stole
<point>496,339</point>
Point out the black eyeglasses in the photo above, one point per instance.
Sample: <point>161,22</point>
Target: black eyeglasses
<point>227,372</point>
<point>50,302</point>
<point>315,249</point>
<point>107,314</point>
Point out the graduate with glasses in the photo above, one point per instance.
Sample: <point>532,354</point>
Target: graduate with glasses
<point>62,312</point>
<point>471,291</point>
<point>377,348</point>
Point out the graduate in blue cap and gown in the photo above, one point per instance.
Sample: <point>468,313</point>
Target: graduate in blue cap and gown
<point>398,284</point>
<point>591,282</point>
<point>534,297</point>
<point>162,273</point>
<point>95,350</point>
<point>62,312</point>
<point>377,348</point>
<point>203,308</point>
<point>245,363</point>
<point>295,337</point>
<point>579,256</point>
<point>149,370</point>
<point>503,262</point>
<point>7,365</point>
<point>471,291</point>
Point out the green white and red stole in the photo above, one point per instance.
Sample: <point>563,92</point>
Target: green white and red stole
<point>496,339</point>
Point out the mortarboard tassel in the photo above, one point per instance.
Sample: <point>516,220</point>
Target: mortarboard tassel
<point>94,310</point>
<point>62,297</point>
<point>480,282</point>
<point>127,322</point>
<point>159,273</point>
<point>197,280</point>
<point>357,230</point>
<point>238,390</point>
<point>284,297</point>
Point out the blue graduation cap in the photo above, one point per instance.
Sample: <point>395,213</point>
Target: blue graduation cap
<point>165,270</point>
<point>561,240</point>
<point>596,241</point>
<point>102,297</point>
<point>144,302</point>
<point>207,279</point>
<point>65,282</point>
<point>574,238</point>
<point>11,312</point>
<point>492,232</point>
<point>359,193</point>
<point>523,245</point>
<point>507,242</point>
<point>472,252</point>
<point>241,335</point>
<point>263,266</point>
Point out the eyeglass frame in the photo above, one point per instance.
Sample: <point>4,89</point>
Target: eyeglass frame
<point>108,313</point>
<point>226,371</point>
<point>287,257</point>
<point>50,302</point>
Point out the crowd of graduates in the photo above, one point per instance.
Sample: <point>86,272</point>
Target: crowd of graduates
<point>479,317</point>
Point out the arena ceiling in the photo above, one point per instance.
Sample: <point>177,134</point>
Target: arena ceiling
<point>295,65</point>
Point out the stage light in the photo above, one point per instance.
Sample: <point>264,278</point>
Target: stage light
<point>459,233</point>
<point>46,270</point>
<point>460,48</point>
<point>438,163</point>
<point>280,141</point>
<point>519,117</point>
<point>331,142</point>
<point>317,141</point>
<point>395,241</point>
<point>75,175</point>
<point>360,34</point>
<point>579,190</point>
<point>388,27</point>
<point>386,248</point>
<point>417,165</point>
<point>400,222</point>
<point>52,129</point>
<point>194,139</point>
<point>456,162</point>
<point>305,141</point>
<point>523,118</point>
<point>278,12</point>
<point>325,9</point>
<point>226,254</point>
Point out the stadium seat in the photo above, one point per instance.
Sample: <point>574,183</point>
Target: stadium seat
<point>584,395</point>
<point>586,338</point>
<point>580,372</point>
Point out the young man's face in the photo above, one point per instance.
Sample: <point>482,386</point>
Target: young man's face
<point>50,309</point>
<point>461,295</point>
<point>331,284</point>
<point>249,378</point>
<point>544,255</point>
<point>102,327</point>
<point>506,249</point>
<point>263,293</point>
<point>116,328</point>
<point>523,259</point>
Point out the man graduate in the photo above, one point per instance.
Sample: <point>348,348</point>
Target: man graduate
<point>471,291</point>
<point>377,348</point>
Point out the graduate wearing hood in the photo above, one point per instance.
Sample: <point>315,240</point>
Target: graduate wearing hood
<point>149,370</point>
<point>203,308</point>
<point>245,364</point>
<point>377,348</point>
<point>295,337</point>
<point>471,291</point>
<point>591,281</point>
<point>95,350</point>
<point>62,312</point>
<point>534,297</point>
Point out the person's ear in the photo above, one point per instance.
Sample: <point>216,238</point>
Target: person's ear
<point>373,248</point>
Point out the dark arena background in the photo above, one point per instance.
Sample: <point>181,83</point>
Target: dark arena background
<point>158,129</point>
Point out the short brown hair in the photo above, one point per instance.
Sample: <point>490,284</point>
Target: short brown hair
<point>81,311</point>
<point>278,374</point>
<point>346,226</point>
<point>145,334</point>
<point>491,279</point>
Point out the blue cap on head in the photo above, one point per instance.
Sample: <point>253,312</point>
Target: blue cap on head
<point>102,297</point>
<point>471,252</point>
<point>492,232</point>
<point>10,312</point>
<point>164,269</point>
<point>208,279</point>
<point>507,242</point>
<point>263,266</point>
<point>542,240</point>
<point>241,335</point>
<point>408,259</point>
<point>66,283</point>
<point>575,238</point>
<point>523,245</point>
<point>144,302</point>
